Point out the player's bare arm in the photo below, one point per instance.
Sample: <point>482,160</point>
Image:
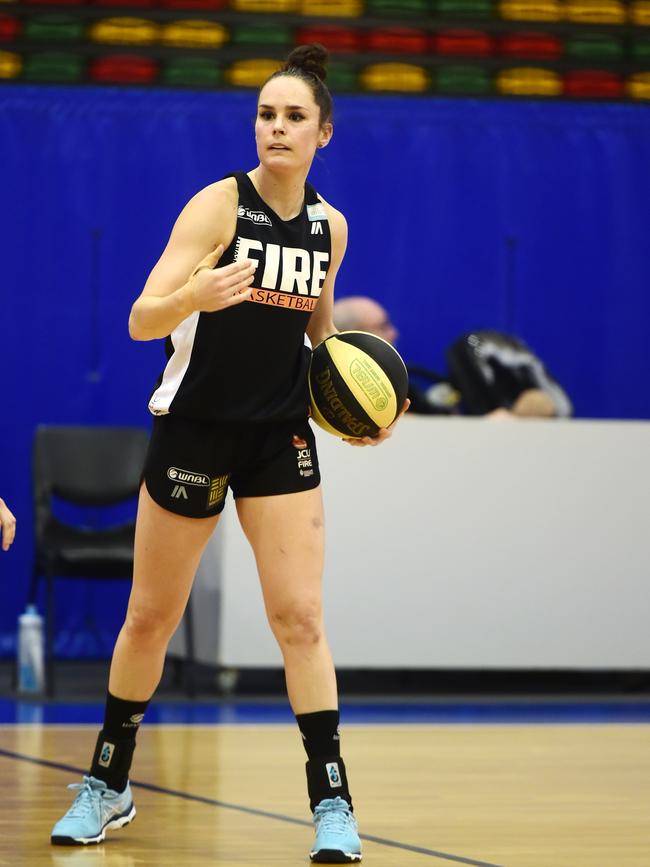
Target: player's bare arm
<point>321,324</point>
<point>185,278</point>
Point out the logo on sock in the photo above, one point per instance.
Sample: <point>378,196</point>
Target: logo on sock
<point>133,721</point>
<point>334,775</point>
<point>106,754</point>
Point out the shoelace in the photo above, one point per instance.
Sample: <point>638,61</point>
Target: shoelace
<point>84,802</point>
<point>334,816</point>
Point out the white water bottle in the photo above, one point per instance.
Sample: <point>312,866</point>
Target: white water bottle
<point>31,669</point>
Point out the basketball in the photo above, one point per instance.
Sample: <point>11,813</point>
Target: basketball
<point>357,383</point>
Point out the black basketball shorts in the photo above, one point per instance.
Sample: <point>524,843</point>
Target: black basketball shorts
<point>191,464</point>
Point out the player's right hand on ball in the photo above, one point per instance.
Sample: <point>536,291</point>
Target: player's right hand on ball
<point>210,289</point>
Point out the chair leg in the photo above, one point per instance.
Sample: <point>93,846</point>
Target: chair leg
<point>49,637</point>
<point>189,651</point>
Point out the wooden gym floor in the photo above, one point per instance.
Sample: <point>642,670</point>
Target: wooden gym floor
<point>490,795</point>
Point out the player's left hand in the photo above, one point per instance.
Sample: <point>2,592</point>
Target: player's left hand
<point>383,434</point>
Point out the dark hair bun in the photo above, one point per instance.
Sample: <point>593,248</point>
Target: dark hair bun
<point>311,58</point>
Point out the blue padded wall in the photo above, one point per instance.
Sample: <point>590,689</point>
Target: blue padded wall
<point>525,216</point>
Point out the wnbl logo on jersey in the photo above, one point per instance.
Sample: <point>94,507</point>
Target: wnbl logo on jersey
<point>257,217</point>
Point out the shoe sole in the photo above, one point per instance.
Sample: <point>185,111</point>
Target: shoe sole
<point>113,825</point>
<point>334,856</point>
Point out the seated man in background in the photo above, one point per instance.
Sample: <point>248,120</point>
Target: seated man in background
<point>490,373</point>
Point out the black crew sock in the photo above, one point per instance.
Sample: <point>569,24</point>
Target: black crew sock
<point>320,733</point>
<point>116,741</point>
<point>326,775</point>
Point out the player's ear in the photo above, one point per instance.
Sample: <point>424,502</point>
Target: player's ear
<point>325,134</point>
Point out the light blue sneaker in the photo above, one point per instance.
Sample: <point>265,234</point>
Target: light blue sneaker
<point>95,810</point>
<point>337,840</point>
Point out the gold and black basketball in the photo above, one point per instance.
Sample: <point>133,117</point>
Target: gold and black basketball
<point>358,384</point>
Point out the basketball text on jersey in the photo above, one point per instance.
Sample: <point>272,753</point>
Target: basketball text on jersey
<point>292,277</point>
<point>258,217</point>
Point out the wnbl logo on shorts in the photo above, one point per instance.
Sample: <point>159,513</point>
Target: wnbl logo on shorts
<point>334,775</point>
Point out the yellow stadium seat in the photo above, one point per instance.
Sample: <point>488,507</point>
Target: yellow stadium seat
<point>193,33</point>
<point>529,81</point>
<point>124,31</point>
<point>638,85</point>
<point>532,10</point>
<point>251,73</point>
<point>10,64</point>
<point>265,5</point>
<point>402,77</point>
<point>338,8</point>
<point>595,11</point>
<point>640,13</point>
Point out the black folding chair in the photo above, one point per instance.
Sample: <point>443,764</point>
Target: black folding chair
<point>93,467</point>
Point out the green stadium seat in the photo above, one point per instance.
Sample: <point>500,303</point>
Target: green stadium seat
<point>54,28</point>
<point>463,80</point>
<point>595,46</point>
<point>464,8</point>
<point>342,77</point>
<point>191,72</point>
<point>261,34</point>
<point>399,8</point>
<point>54,66</point>
<point>641,50</point>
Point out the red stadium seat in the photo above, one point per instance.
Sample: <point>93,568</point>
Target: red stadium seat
<point>539,46</point>
<point>397,40</point>
<point>123,69</point>
<point>471,43</point>
<point>593,83</point>
<point>332,37</point>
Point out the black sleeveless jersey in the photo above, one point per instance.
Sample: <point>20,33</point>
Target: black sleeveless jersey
<point>249,362</point>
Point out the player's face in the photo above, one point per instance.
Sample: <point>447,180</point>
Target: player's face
<point>288,128</point>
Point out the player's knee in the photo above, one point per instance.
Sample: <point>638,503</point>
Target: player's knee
<point>144,625</point>
<point>298,625</point>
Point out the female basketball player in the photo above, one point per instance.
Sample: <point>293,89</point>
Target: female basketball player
<point>248,270</point>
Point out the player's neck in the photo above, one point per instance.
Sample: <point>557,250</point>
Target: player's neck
<point>283,193</point>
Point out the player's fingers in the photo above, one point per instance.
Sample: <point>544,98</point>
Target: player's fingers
<point>8,529</point>
<point>238,297</point>
<point>236,272</point>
